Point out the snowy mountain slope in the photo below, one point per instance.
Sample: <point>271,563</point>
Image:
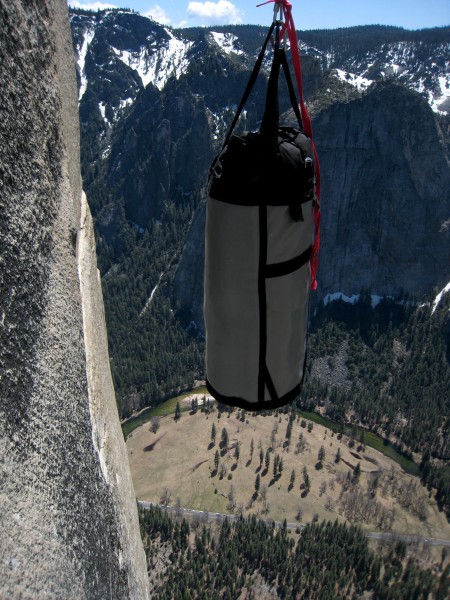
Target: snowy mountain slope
<point>127,46</point>
<point>154,53</point>
<point>423,67</point>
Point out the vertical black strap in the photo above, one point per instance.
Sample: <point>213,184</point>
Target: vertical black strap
<point>270,386</point>
<point>262,300</point>
<point>264,377</point>
<point>290,86</point>
<point>269,123</point>
<point>250,84</point>
<point>272,90</point>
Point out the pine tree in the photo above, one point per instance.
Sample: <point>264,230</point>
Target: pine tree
<point>275,466</point>
<point>237,452</point>
<point>306,480</point>
<point>292,480</point>
<point>267,460</point>
<point>213,433</point>
<point>289,430</point>
<point>177,412</point>
<point>224,439</point>
<point>321,455</point>
<point>337,458</point>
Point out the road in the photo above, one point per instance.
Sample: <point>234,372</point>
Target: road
<point>374,535</point>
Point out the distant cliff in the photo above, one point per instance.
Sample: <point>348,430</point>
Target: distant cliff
<point>386,195</point>
<point>69,526</point>
<point>385,202</point>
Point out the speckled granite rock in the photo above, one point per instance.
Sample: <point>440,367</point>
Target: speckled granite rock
<point>68,518</point>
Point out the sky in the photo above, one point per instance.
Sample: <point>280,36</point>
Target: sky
<point>314,14</point>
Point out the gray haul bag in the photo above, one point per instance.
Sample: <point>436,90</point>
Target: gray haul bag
<point>259,236</point>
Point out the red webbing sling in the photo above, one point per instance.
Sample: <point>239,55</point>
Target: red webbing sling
<point>288,27</point>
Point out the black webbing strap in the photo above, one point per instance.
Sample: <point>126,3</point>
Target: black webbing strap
<point>250,84</point>
<point>272,90</point>
<point>287,266</point>
<point>290,86</point>
<point>270,119</point>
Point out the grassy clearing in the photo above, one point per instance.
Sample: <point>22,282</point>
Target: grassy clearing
<point>180,457</point>
<point>371,439</point>
<point>166,408</point>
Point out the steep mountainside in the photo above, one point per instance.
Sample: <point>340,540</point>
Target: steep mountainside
<point>154,106</point>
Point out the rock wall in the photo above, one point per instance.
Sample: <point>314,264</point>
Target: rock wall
<point>385,202</point>
<point>386,196</point>
<point>67,508</point>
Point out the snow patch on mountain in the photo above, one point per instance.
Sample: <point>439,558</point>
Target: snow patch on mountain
<point>157,67</point>
<point>226,41</point>
<point>440,100</point>
<point>438,298</point>
<point>361,83</point>
<point>82,52</point>
<point>102,109</point>
<point>150,298</point>
<point>353,299</point>
<point>219,121</point>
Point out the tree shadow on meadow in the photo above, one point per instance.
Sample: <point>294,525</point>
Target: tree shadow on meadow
<point>151,447</point>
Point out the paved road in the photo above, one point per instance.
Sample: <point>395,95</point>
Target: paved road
<point>409,539</point>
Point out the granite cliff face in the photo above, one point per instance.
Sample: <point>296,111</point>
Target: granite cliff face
<point>157,137</point>
<point>68,513</point>
<point>385,202</point>
<point>386,196</point>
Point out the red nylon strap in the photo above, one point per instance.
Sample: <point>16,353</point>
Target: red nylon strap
<point>289,27</point>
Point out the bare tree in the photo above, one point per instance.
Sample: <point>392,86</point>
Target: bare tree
<point>301,445</point>
<point>420,508</point>
<point>222,470</point>
<point>155,424</point>
<point>329,503</point>
<point>178,508</point>
<point>263,491</point>
<point>231,497</point>
<point>266,507</point>
<point>273,438</point>
<point>323,488</point>
<point>373,481</point>
<point>165,497</point>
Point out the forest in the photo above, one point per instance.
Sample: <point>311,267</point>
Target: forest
<point>248,557</point>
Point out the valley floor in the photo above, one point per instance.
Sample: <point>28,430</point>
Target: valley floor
<point>175,465</point>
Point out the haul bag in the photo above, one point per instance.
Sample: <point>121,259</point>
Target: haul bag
<point>259,235</point>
